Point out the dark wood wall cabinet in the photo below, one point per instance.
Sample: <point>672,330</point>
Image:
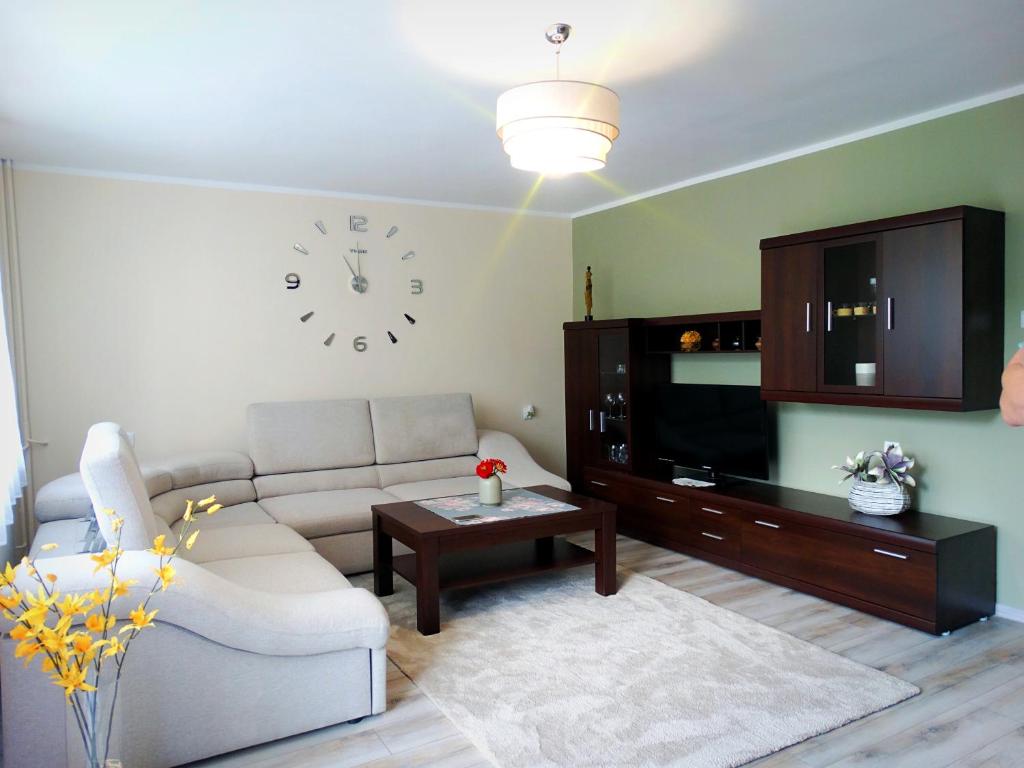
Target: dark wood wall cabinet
<point>929,572</point>
<point>905,312</point>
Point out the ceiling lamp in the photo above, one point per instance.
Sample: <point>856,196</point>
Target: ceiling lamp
<point>556,127</point>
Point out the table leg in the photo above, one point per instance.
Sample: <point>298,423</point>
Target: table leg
<point>545,547</point>
<point>604,556</point>
<point>428,601</point>
<point>383,575</point>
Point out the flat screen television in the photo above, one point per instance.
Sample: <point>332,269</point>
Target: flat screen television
<point>717,428</point>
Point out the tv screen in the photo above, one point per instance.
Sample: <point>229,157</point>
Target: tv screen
<point>717,427</point>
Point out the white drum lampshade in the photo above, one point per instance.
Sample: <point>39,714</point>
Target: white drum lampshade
<point>557,127</point>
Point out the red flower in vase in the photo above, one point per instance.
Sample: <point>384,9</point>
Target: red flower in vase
<point>490,467</point>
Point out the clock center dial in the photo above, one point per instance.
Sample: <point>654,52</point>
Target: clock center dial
<point>360,284</point>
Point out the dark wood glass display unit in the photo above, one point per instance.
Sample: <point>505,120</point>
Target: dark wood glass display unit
<point>930,292</point>
<point>906,312</point>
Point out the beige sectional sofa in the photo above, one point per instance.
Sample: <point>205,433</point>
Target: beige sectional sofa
<point>264,635</point>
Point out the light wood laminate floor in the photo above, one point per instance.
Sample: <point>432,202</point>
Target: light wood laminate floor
<point>970,711</point>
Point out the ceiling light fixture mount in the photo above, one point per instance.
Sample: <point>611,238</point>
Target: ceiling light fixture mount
<point>557,127</point>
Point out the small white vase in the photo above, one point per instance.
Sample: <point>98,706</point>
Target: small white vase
<point>490,490</point>
<point>879,498</point>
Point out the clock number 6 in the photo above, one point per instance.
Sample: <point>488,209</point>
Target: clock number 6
<point>359,343</point>
<point>417,287</point>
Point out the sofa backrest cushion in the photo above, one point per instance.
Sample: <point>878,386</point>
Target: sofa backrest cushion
<point>114,481</point>
<point>423,427</point>
<point>268,486</point>
<point>432,469</point>
<point>306,435</point>
<point>200,468</point>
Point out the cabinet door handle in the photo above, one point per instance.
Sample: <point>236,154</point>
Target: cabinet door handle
<point>591,419</point>
<point>598,482</point>
<point>807,321</point>
<point>712,511</point>
<point>887,553</point>
<point>667,500</point>
<point>828,317</point>
<point>712,536</point>
<point>766,525</point>
<point>889,325</point>
<point>602,417</point>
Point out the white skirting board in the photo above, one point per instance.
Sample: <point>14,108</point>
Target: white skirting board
<point>1008,612</point>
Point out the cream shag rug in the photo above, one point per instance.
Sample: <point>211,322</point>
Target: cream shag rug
<point>545,672</point>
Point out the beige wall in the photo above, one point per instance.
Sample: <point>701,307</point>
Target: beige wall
<point>163,307</point>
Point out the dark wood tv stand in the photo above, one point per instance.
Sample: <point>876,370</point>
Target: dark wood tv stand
<point>926,571</point>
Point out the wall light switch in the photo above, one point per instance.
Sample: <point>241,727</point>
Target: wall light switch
<point>1022,318</point>
<point>529,412</point>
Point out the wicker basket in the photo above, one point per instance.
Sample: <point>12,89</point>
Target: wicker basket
<point>879,498</point>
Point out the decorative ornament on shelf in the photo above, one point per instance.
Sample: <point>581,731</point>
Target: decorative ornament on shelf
<point>716,345</point>
<point>75,635</point>
<point>881,480</point>
<point>588,294</point>
<point>557,127</point>
<point>759,344</point>
<point>690,341</point>
<point>489,471</point>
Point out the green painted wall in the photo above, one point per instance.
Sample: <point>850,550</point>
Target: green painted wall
<point>696,250</point>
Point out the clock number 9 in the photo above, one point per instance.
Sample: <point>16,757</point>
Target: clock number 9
<point>359,343</point>
<point>417,287</point>
<point>292,281</point>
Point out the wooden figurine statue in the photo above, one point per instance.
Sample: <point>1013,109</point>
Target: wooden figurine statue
<point>588,295</point>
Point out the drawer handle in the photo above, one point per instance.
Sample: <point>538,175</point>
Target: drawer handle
<point>712,511</point>
<point>712,536</point>
<point>598,482</point>
<point>766,525</point>
<point>668,501</point>
<point>887,553</point>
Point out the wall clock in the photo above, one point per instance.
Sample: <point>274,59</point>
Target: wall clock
<point>361,255</point>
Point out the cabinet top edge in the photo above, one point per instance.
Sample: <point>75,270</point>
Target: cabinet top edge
<point>877,225</point>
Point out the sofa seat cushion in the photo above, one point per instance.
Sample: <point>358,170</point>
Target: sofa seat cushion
<point>423,427</point>
<point>433,469</point>
<point>254,540</point>
<point>72,537</point>
<point>297,572</point>
<point>307,435</point>
<point>249,513</point>
<point>171,505</point>
<point>326,513</point>
<point>320,480</point>
<point>433,489</point>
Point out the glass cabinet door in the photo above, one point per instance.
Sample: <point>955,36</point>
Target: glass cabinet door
<point>611,426</point>
<point>851,344</point>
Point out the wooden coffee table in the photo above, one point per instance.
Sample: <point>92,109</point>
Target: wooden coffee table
<point>447,555</point>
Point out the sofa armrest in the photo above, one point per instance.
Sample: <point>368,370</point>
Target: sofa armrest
<point>266,623</point>
<point>522,469</point>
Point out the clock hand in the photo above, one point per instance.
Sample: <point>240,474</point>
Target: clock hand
<point>349,265</point>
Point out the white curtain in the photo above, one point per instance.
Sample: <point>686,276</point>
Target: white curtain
<point>13,477</point>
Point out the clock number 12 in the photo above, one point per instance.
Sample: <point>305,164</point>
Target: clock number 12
<point>416,286</point>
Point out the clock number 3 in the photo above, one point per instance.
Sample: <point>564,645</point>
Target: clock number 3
<point>359,343</point>
<point>417,287</point>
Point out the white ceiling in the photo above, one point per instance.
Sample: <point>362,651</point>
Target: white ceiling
<point>396,98</point>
